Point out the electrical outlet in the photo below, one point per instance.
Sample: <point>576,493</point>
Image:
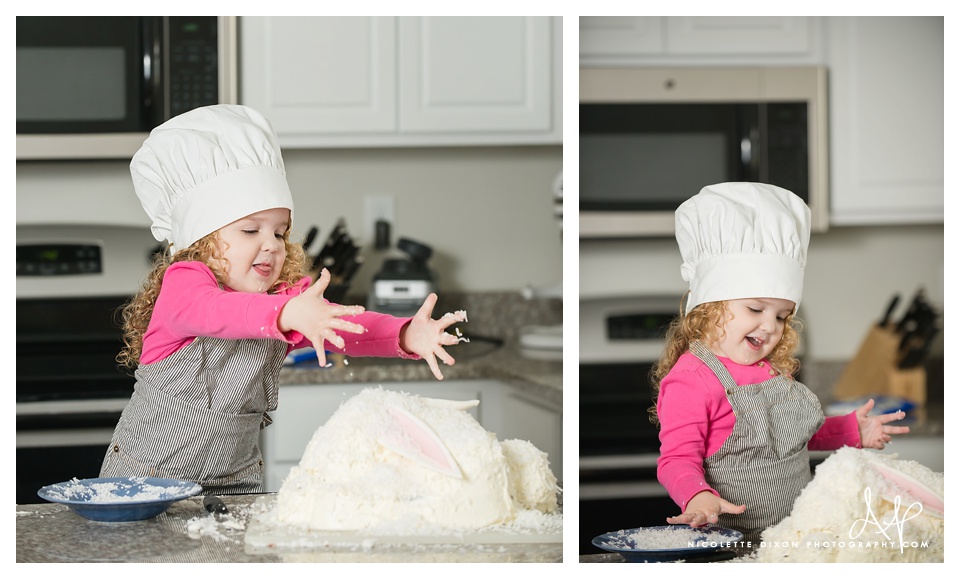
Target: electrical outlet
<point>379,207</point>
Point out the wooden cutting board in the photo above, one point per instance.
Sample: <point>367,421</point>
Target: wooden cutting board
<point>264,535</point>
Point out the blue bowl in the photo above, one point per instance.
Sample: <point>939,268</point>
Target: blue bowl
<point>623,543</point>
<point>120,499</point>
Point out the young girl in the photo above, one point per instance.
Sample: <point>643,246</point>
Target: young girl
<point>208,333</point>
<point>735,427</point>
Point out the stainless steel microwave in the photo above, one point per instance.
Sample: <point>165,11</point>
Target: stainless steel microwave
<point>92,87</point>
<point>652,137</point>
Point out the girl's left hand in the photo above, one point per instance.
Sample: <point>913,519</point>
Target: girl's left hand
<point>873,432</point>
<point>426,337</point>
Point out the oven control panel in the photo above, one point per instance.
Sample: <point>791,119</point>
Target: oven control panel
<point>638,326</point>
<point>624,329</point>
<point>58,259</point>
<point>96,259</point>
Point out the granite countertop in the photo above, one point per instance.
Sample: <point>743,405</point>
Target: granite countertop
<point>186,533</point>
<point>51,532</point>
<point>538,372</point>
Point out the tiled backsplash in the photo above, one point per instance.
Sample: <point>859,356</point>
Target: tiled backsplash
<point>821,377</point>
<point>495,314</point>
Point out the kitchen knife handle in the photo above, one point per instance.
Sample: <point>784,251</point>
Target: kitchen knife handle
<point>893,305</point>
<point>909,318</point>
<point>351,269</point>
<point>311,236</point>
<point>327,250</point>
<point>346,255</point>
<point>915,346</point>
<point>214,505</point>
<point>340,251</point>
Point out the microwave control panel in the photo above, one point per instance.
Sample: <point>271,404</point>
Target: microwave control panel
<point>193,63</point>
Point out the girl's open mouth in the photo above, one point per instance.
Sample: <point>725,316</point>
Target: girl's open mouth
<point>262,268</point>
<point>755,342</point>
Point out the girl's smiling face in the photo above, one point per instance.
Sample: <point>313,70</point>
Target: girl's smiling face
<point>254,250</point>
<point>753,329</point>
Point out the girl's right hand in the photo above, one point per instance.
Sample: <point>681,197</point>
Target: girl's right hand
<point>705,509</point>
<point>318,320</point>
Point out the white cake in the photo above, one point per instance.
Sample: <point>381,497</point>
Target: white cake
<point>843,517</point>
<point>395,462</point>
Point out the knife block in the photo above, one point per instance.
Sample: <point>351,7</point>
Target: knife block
<point>873,371</point>
<point>335,292</point>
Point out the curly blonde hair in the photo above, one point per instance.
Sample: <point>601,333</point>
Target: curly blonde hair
<point>137,312</point>
<point>705,323</point>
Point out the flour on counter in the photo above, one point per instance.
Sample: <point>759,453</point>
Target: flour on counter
<point>227,527</point>
<point>532,521</point>
<point>210,526</point>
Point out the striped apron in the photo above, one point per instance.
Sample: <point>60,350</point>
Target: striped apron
<point>764,463</point>
<point>196,415</point>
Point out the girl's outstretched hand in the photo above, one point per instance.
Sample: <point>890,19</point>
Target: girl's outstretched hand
<point>426,337</point>
<point>318,320</point>
<point>873,430</point>
<point>705,508</point>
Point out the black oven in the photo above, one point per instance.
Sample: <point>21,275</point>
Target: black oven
<point>71,283</point>
<point>69,390</point>
<point>94,86</point>
<point>620,339</point>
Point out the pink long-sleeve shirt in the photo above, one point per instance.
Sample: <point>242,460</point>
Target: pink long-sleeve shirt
<point>191,303</point>
<point>696,418</point>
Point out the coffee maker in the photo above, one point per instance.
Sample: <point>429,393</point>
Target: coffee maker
<point>402,283</point>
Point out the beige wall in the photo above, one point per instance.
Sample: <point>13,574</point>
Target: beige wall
<point>486,212</point>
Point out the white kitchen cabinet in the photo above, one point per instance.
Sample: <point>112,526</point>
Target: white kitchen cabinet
<point>620,35</point>
<point>312,75</point>
<point>696,39</point>
<point>404,81</point>
<point>886,109</point>
<point>301,409</point>
<point>526,417</point>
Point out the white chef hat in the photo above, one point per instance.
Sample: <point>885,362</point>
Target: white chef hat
<point>743,240</point>
<point>206,168</point>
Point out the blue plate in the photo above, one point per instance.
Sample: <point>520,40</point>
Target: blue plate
<point>626,544</point>
<point>119,499</point>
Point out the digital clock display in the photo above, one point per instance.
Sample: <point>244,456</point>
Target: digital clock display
<point>49,254</point>
<point>58,259</point>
